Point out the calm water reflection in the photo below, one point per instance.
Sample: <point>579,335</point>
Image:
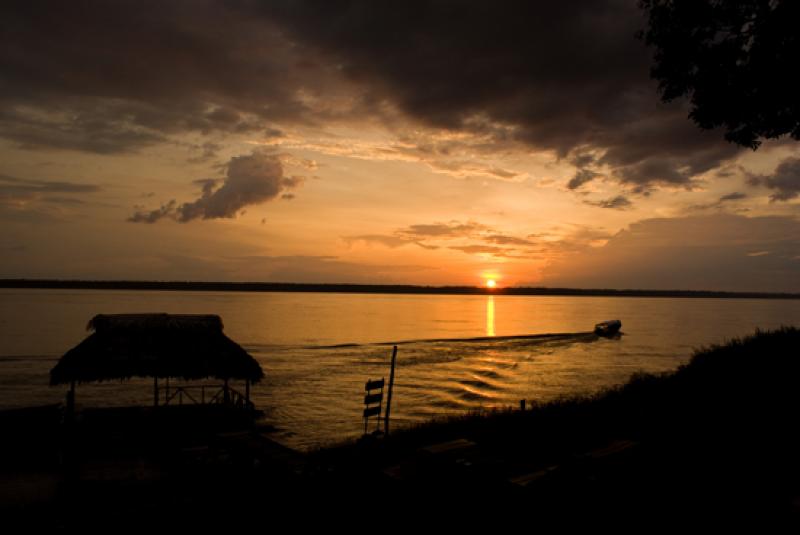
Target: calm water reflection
<point>313,392</point>
<point>489,315</point>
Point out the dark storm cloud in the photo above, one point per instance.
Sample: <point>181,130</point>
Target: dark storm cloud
<point>568,76</point>
<point>785,180</point>
<point>250,180</point>
<point>563,76</point>
<point>114,77</point>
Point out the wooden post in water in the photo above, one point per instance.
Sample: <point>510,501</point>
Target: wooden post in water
<point>155,391</point>
<point>247,392</point>
<point>389,395</point>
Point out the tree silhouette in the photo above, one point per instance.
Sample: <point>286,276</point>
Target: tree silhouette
<point>735,61</point>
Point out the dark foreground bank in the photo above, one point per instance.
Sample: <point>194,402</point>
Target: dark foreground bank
<point>717,438</point>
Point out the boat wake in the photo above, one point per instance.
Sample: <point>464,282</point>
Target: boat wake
<point>519,338</point>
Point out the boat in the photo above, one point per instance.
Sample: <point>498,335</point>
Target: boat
<point>607,328</point>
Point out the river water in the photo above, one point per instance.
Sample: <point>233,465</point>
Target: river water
<point>455,353</point>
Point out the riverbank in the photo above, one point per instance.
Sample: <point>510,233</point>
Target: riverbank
<point>716,438</point>
<point>719,434</point>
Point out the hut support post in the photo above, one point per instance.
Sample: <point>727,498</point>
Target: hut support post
<point>226,395</point>
<point>71,400</point>
<point>247,392</point>
<point>155,391</point>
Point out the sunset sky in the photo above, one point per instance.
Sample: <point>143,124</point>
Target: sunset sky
<point>441,143</point>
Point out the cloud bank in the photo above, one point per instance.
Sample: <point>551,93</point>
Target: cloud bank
<point>569,77</point>
<point>714,252</point>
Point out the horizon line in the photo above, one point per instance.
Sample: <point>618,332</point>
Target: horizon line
<point>337,287</point>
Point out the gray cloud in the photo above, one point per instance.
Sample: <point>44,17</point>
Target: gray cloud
<point>250,180</point>
<point>153,216</point>
<point>785,180</point>
<point>453,229</point>
<point>723,203</point>
<point>47,186</point>
<point>735,196</point>
<point>620,202</point>
<point>421,234</point>
<point>13,189</point>
<point>502,239</point>
<point>582,176</point>
<point>467,237</point>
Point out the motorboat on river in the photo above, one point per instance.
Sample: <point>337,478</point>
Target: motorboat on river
<point>607,328</point>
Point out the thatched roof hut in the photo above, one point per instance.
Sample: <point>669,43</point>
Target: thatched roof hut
<point>155,345</point>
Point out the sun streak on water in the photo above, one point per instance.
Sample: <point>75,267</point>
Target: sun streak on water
<point>490,315</point>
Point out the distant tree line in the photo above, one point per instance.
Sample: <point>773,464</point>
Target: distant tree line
<point>188,286</point>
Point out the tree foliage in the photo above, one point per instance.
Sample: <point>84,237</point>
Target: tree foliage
<point>736,61</point>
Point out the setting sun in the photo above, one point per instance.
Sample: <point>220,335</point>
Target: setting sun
<point>491,283</point>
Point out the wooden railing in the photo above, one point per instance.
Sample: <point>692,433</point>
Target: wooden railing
<point>208,395</point>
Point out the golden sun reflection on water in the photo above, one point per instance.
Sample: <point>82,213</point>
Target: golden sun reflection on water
<point>490,315</point>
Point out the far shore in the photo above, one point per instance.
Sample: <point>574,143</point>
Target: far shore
<point>212,286</point>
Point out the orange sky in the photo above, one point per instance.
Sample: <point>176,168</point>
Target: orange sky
<point>342,170</point>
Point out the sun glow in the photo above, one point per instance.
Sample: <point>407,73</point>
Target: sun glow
<point>491,283</point>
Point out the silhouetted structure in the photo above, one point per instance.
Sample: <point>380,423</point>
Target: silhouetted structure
<point>163,346</point>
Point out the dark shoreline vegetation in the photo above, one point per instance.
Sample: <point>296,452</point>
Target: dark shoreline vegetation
<point>717,438</point>
<point>210,286</point>
<point>717,433</point>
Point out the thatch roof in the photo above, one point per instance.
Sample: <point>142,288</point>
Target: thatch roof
<point>155,345</point>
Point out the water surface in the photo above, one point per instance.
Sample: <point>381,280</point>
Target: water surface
<point>318,349</point>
